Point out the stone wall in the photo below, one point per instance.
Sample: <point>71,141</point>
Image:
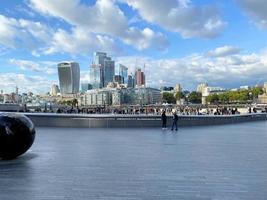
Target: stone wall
<point>134,121</point>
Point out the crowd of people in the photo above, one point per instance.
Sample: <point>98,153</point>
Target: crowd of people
<point>198,111</point>
<point>157,110</point>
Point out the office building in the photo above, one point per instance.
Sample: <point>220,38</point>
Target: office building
<point>97,70</point>
<point>109,70</point>
<point>86,86</point>
<point>54,91</point>
<point>139,78</point>
<point>123,72</point>
<point>130,83</point>
<point>146,96</point>
<point>102,70</point>
<point>118,79</point>
<point>69,77</point>
<point>120,96</point>
<point>96,76</point>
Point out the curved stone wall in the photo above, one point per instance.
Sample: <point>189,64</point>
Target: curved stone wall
<point>127,121</point>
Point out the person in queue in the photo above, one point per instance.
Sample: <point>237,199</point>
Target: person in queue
<point>164,119</point>
<point>174,122</point>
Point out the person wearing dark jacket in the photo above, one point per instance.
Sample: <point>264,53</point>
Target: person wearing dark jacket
<point>175,119</point>
<point>164,119</point>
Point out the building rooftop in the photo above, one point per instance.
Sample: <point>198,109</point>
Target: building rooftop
<point>217,162</point>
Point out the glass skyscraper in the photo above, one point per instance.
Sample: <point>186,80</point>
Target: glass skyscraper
<point>69,77</point>
<point>96,76</point>
<point>109,70</point>
<point>102,70</point>
<point>130,83</point>
<point>123,72</point>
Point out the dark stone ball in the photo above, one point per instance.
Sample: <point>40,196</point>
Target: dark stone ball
<point>17,134</point>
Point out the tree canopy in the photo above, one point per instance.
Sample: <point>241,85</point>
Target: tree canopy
<point>179,96</point>
<point>194,97</point>
<point>239,96</point>
<point>168,97</point>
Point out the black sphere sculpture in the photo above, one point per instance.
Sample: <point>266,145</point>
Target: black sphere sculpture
<point>17,134</point>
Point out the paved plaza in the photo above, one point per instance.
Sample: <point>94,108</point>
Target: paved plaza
<point>206,163</point>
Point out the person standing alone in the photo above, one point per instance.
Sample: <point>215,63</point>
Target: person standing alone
<point>174,122</point>
<point>164,119</point>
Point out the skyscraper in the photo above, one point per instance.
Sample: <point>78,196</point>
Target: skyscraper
<point>118,79</point>
<point>97,70</point>
<point>139,78</point>
<point>96,76</point>
<point>123,72</point>
<point>54,90</point>
<point>109,70</point>
<point>102,70</point>
<point>130,83</point>
<point>69,77</point>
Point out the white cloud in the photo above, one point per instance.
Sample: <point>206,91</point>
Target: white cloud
<point>228,71</point>
<point>224,51</point>
<point>36,84</point>
<point>23,33</point>
<point>36,30</point>
<point>98,26</point>
<point>79,41</point>
<point>181,16</point>
<point>41,39</point>
<point>145,39</point>
<point>44,67</point>
<point>105,17</point>
<point>256,9</point>
<point>97,18</point>
<point>8,31</point>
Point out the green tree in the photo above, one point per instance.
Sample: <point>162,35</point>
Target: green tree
<point>194,97</point>
<point>168,97</point>
<point>256,91</point>
<point>224,97</point>
<point>243,96</point>
<point>179,96</point>
<point>213,98</point>
<point>75,102</point>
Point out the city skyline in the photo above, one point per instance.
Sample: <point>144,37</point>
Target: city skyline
<point>223,44</point>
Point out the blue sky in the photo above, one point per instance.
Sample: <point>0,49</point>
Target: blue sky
<point>222,43</point>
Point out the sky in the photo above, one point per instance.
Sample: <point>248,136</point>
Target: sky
<point>222,43</point>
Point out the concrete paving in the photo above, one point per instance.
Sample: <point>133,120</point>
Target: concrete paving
<point>216,162</point>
